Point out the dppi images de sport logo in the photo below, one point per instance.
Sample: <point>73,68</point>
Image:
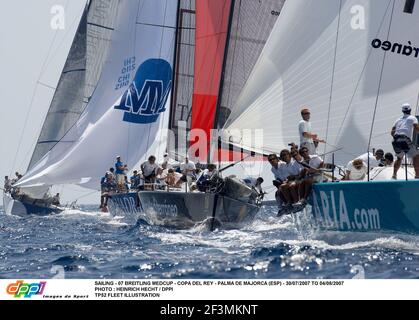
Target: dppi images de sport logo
<point>21,289</point>
<point>146,97</point>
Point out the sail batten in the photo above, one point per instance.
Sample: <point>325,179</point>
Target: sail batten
<point>100,26</point>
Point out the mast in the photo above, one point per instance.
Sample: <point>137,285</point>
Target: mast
<point>182,90</point>
<point>175,65</point>
<point>220,91</point>
<point>226,52</point>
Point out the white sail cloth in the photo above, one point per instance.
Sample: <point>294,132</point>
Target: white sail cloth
<point>343,60</point>
<point>80,74</point>
<point>129,105</point>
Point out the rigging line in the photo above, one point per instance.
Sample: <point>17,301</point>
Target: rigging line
<point>342,150</point>
<point>186,64</point>
<point>86,195</point>
<point>46,85</point>
<point>165,117</point>
<point>220,36</point>
<point>33,96</point>
<point>160,53</point>
<point>190,57</point>
<point>360,76</point>
<point>417,105</point>
<point>333,75</point>
<point>380,81</point>
<point>381,134</point>
<point>75,123</point>
<point>238,27</point>
<point>134,55</point>
<point>49,58</point>
<point>221,83</point>
<point>36,141</point>
<point>34,144</point>
<point>175,71</point>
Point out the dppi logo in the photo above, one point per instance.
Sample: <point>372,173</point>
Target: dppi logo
<point>147,95</point>
<point>27,290</point>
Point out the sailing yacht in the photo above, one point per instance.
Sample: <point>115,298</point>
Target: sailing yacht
<point>223,32</point>
<point>114,98</point>
<point>353,63</point>
<point>78,80</point>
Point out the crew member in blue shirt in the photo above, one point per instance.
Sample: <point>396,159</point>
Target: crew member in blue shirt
<point>120,172</point>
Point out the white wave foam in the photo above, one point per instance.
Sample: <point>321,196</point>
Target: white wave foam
<point>76,212</point>
<point>391,243</point>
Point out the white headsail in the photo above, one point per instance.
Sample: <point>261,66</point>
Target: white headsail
<point>80,74</point>
<point>352,62</point>
<point>129,104</point>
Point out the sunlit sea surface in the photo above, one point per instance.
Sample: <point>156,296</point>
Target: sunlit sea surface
<point>88,244</point>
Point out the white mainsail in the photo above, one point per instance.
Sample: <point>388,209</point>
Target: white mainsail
<point>129,104</point>
<point>352,62</point>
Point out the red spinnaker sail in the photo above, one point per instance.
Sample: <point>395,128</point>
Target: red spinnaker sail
<point>212,20</point>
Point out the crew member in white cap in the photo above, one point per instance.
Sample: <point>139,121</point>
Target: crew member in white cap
<point>402,133</point>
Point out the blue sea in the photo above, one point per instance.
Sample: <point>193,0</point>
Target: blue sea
<point>87,244</point>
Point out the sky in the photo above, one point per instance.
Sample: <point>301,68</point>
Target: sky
<point>32,56</point>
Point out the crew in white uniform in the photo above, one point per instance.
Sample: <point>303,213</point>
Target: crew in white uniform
<point>356,170</point>
<point>375,159</point>
<point>307,137</point>
<point>279,177</point>
<point>402,132</point>
<point>188,170</point>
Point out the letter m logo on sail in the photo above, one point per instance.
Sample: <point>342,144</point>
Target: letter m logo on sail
<point>146,97</point>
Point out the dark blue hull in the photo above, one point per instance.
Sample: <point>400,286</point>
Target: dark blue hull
<point>25,208</point>
<point>124,204</point>
<point>181,209</point>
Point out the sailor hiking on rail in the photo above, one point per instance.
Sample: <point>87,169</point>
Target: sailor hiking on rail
<point>402,132</point>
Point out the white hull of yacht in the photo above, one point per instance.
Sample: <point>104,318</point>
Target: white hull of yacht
<point>13,207</point>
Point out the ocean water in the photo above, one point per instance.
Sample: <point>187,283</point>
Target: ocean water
<point>86,244</point>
